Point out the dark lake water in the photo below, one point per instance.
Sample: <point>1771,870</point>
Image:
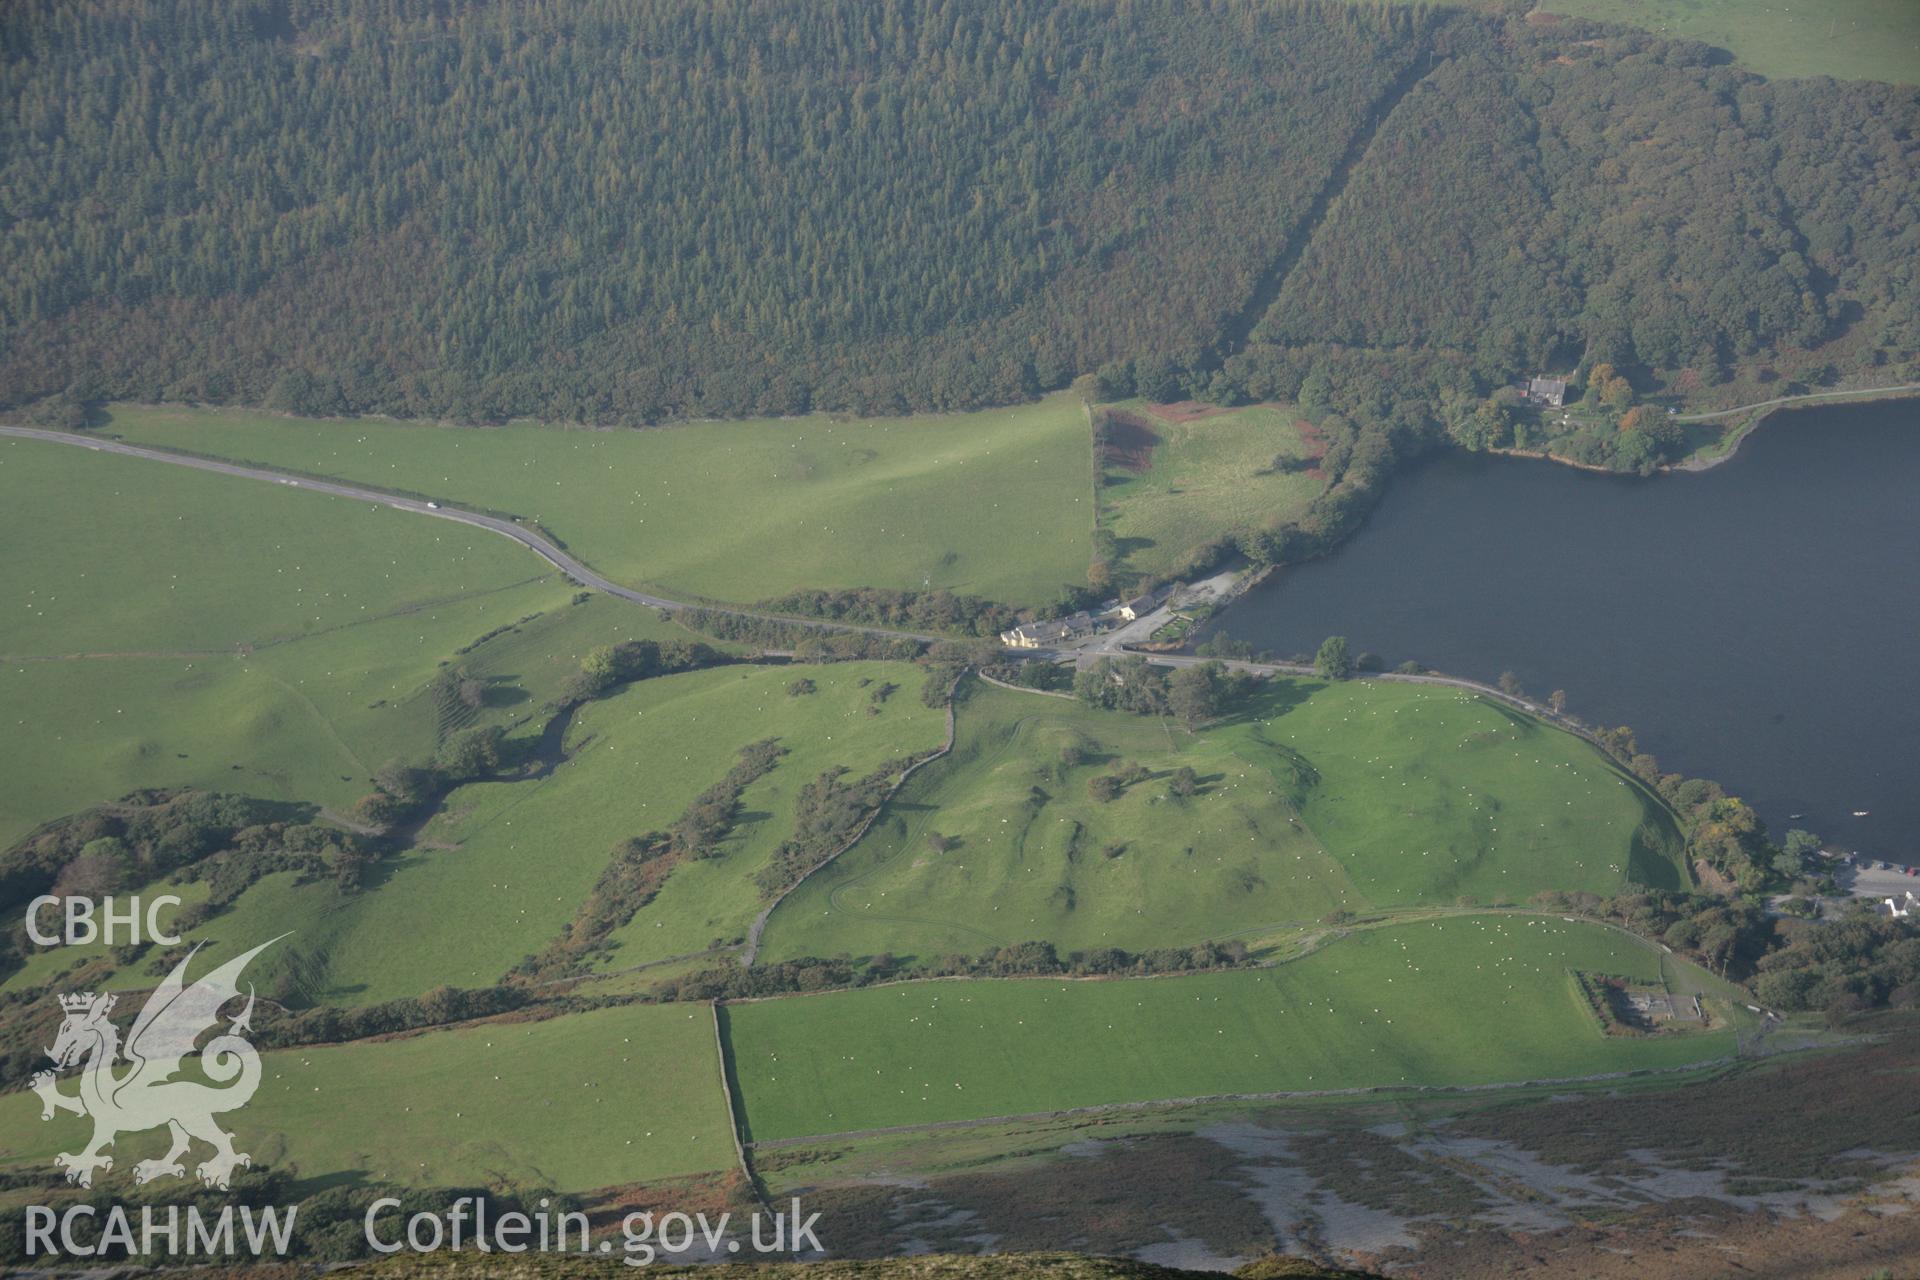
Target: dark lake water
<point>1758,624</point>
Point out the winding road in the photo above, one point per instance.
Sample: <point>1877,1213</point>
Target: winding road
<point>532,541</point>
<point>578,572</point>
<point>526,537</point>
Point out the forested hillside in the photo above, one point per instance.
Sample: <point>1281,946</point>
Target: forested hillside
<point>627,212</point>
<point>622,211</point>
<point>1533,195</point>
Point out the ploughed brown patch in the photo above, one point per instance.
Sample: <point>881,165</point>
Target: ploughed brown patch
<point>1111,1199</point>
<point>710,1193</point>
<point>1862,1108</point>
<point>1672,1240</point>
<point>1127,441</point>
<point>1316,444</point>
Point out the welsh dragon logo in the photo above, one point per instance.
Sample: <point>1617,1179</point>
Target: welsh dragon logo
<point>146,1093</point>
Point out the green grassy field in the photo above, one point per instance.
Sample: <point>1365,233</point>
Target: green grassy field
<point>163,644</point>
<point>497,875</point>
<point>590,1100</point>
<point>996,503</point>
<point>1467,1000</point>
<point>1351,796</point>
<point>1208,475</point>
<point>713,899</point>
<point>89,966</point>
<point>1848,39</point>
<point>120,554</point>
<point>307,720</point>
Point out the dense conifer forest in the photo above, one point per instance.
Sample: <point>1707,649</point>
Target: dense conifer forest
<point>628,212</point>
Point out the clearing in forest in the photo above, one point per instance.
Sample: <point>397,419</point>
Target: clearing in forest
<point>1176,477</point>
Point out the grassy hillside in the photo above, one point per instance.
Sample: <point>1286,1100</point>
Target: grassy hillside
<point>1350,796</point>
<point>591,1100</point>
<point>1418,1004</point>
<point>1850,39</point>
<point>503,868</point>
<point>306,720</point>
<point>996,503</point>
<point>691,230</point>
<point>1033,197</point>
<point>1178,476</point>
<point>185,629</point>
<point>112,553</point>
<point>714,899</point>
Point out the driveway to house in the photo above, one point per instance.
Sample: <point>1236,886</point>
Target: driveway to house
<point>1219,588</point>
<point>1778,401</point>
<point>1135,632</point>
<point>1866,882</point>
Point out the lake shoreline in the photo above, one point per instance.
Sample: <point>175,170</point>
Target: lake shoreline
<point>1671,608</point>
<point>1729,445</point>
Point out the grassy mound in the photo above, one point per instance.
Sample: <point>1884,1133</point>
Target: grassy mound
<point>1352,796</point>
<point>996,503</point>
<point>1417,1004</point>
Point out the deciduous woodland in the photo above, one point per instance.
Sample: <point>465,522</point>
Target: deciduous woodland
<point>625,213</point>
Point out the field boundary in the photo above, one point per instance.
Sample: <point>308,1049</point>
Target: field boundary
<point>1326,937</point>
<point>759,926</point>
<point>582,978</point>
<point>1356,1091</point>
<point>722,1060</point>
